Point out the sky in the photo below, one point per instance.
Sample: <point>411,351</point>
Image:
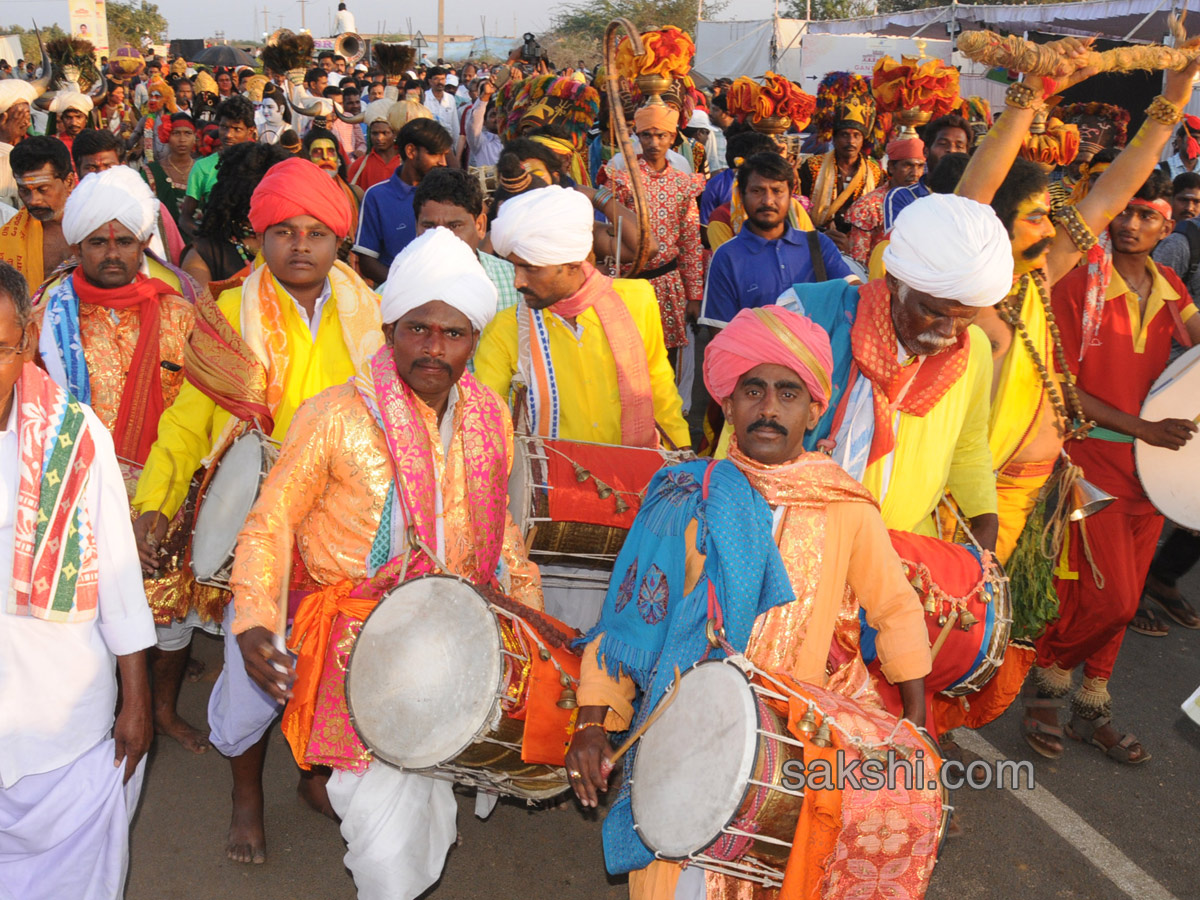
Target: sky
<point>195,19</point>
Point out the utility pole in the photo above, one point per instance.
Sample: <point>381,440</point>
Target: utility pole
<point>266,24</point>
<point>303,5</point>
<point>441,29</point>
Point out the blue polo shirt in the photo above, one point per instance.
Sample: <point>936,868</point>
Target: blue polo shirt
<point>749,271</point>
<point>386,223</point>
<point>717,192</point>
<point>897,198</point>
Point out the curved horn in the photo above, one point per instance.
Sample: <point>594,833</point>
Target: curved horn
<point>312,110</point>
<point>345,117</point>
<point>42,83</point>
<point>616,115</point>
<point>45,100</point>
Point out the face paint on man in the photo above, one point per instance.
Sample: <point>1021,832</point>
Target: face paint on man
<point>323,153</point>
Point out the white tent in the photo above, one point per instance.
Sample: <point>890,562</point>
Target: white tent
<point>1120,20</point>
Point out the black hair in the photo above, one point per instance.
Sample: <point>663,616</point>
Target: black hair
<point>1185,181</point>
<point>720,102</point>
<point>1157,187</point>
<point>315,74</point>
<point>34,152</point>
<point>434,73</point>
<point>235,109</point>
<point>428,134</point>
<point>953,120</point>
<point>747,144</point>
<point>326,54</point>
<point>91,141</point>
<point>13,284</point>
<point>510,170</point>
<point>771,166</point>
<point>451,186</point>
<point>239,171</point>
<point>944,177</point>
<point>1023,180</point>
<point>341,6</point>
<point>331,90</point>
<point>524,148</point>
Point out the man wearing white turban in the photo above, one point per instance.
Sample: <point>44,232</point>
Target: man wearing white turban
<point>589,350</point>
<point>909,412</point>
<point>398,473</point>
<point>1037,408</point>
<point>114,336</point>
<point>71,110</point>
<point>15,99</point>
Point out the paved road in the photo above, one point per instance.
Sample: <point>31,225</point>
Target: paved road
<point>1096,830</point>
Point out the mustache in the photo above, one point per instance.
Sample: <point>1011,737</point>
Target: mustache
<point>1036,250</point>
<point>767,425</point>
<point>431,363</point>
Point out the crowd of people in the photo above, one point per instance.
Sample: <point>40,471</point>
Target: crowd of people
<point>396,273</point>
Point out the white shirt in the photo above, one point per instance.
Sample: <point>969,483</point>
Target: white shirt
<point>485,145</point>
<point>58,687</point>
<point>318,308</point>
<point>445,111</point>
<point>343,22</point>
<point>8,184</point>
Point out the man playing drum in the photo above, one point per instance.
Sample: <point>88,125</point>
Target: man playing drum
<point>299,324</point>
<point>1032,408</point>
<point>399,473</point>
<point>791,546</point>
<point>114,338</point>
<point>1117,320</point>
<point>588,350</point>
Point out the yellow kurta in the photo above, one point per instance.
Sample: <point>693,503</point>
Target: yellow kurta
<point>328,490</point>
<point>188,428</point>
<point>21,247</point>
<point>947,449</point>
<point>585,371</point>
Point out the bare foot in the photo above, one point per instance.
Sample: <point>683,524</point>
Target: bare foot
<point>194,671</point>
<point>247,834</point>
<point>169,723</point>
<point>311,791</point>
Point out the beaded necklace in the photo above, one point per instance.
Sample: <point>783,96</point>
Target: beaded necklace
<point>1010,314</point>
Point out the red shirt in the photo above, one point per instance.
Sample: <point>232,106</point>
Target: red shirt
<point>371,169</point>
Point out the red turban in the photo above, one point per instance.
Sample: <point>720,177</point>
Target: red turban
<point>296,187</point>
<point>769,335</point>
<point>909,148</point>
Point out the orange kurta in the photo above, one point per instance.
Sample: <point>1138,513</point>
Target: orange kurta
<point>328,489</point>
<point>854,564</point>
<point>21,247</point>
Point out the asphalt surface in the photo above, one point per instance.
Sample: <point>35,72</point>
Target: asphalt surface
<point>1146,817</point>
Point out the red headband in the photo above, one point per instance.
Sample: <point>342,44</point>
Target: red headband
<point>1162,207</point>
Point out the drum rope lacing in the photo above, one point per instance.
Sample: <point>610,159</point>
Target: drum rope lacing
<point>734,844</point>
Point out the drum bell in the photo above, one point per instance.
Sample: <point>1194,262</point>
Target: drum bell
<point>1086,499</point>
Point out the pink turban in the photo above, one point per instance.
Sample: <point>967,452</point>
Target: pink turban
<point>296,187</point>
<point>910,148</point>
<point>769,335</point>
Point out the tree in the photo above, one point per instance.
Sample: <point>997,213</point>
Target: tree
<point>130,22</point>
<point>29,42</point>
<point>587,21</point>
<point>829,9</point>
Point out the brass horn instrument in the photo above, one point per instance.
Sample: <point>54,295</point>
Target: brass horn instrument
<point>350,45</point>
<point>616,113</point>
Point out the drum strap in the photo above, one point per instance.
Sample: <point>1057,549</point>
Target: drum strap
<point>716,618</point>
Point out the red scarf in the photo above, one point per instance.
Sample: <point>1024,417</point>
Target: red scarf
<point>873,343</point>
<point>142,401</point>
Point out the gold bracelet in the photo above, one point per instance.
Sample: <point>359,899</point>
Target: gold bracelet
<point>1021,96</point>
<point>1077,229</point>
<point>1163,110</point>
<point>579,728</point>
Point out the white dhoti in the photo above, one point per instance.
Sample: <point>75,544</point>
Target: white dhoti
<point>574,595</point>
<point>65,833</point>
<point>398,828</point>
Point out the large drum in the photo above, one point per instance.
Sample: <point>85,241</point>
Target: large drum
<point>1169,476</point>
<point>225,501</point>
<point>442,682</point>
<point>716,780</point>
<point>968,611</point>
<point>575,501</point>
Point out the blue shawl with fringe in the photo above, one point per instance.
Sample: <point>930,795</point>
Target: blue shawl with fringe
<point>649,626</point>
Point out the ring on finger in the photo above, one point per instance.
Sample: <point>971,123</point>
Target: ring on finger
<point>575,773</point>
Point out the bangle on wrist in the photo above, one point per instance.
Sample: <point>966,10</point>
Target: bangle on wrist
<point>1163,110</point>
<point>1021,96</point>
<point>579,728</point>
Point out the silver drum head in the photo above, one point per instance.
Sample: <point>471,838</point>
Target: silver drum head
<point>425,672</point>
<point>226,505</point>
<point>693,764</point>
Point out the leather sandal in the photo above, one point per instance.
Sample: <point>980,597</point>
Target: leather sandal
<point>1180,611</point>
<point>1032,727</point>
<point>1123,751</point>
<point>1145,622</point>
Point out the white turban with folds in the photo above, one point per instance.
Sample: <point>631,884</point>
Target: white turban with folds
<point>376,111</point>
<point>438,266</point>
<point>548,226</point>
<point>951,248</point>
<point>14,91</point>
<point>115,194</point>
<point>65,100</point>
